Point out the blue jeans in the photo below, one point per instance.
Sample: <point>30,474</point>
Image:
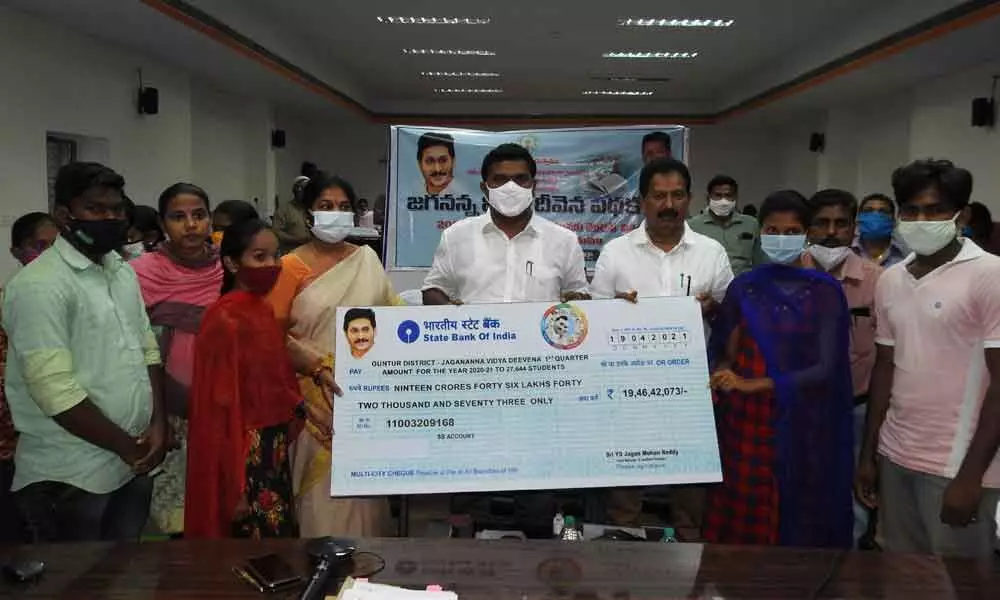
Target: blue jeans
<point>59,512</point>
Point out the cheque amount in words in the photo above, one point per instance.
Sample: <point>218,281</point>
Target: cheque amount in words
<point>470,387</point>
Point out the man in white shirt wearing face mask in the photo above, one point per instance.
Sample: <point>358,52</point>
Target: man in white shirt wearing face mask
<point>509,254</point>
<point>738,233</point>
<point>830,234</point>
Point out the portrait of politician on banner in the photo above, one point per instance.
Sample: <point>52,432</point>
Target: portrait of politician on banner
<point>586,181</point>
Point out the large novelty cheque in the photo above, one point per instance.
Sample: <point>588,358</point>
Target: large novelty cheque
<point>586,181</point>
<point>522,396</point>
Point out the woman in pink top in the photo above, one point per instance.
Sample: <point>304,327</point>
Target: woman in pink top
<point>179,281</point>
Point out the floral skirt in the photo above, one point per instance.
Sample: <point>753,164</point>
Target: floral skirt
<point>269,486</point>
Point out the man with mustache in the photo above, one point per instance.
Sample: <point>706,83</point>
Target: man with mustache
<point>436,157</point>
<point>831,231</point>
<point>359,327</point>
<point>662,257</point>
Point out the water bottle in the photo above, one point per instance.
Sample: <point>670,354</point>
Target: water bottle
<point>569,532</point>
<point>669,535</point>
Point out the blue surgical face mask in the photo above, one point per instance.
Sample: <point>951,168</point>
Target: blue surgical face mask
<point>967,231</point>
<point>783,249</point>
<point>875,226</point>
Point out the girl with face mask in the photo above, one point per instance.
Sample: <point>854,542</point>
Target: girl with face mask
<point>179,280</point>
<point>243,401</point>
<point>783,395</point>
<point>317,277</point>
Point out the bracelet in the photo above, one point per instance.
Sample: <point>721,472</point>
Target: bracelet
<point>315,373</point>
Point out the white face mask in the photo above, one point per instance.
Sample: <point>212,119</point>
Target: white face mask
<point>927,237</point>
<point>829,258</point>
<point>510,199</point>
<point>721,207</point>
<point>332,226</point>
<point>133,250</point>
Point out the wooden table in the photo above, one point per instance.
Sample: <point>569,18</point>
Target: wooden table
<point>519,571</point>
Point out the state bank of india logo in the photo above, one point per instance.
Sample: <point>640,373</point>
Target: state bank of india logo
<point>564,326</point>
<point>408,332</point>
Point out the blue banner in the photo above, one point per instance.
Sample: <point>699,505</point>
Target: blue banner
<point>586,182</point>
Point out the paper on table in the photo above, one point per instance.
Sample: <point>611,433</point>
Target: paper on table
<point>364,590</point>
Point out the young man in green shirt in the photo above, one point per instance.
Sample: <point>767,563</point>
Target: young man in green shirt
<point>737,233</point>
<point>84,379</point>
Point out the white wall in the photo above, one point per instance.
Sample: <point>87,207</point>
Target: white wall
<point>230,145</point>
<point>798,167</point>
<point>742,150</point>
<point>866,141</point>
<point>940,126</point>
<point>355,150</point>
<point>57,80</point>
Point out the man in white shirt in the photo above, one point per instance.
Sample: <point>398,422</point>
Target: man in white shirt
<point>509,254</point>
<point>662,257</point>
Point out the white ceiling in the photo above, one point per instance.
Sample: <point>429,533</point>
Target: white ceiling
<point>547,50</point>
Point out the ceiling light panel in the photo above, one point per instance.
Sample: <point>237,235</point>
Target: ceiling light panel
<point>468,91</point>
<point>448,52</point>
<point>458,74</point>
<point>617,93</point>
<point>644,55</point>
<point>435,20</point>
<point>629,79</point>
<point>654,22</point>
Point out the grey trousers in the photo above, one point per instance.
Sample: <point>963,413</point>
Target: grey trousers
<point>910,515</point>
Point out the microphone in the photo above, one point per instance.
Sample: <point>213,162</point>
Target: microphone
<point>328,553</point>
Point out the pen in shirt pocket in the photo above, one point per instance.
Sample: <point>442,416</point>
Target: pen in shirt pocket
<point>686,283</point>
<point>529,268</point>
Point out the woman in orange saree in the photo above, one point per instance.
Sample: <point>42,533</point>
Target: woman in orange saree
<point>316,278</point>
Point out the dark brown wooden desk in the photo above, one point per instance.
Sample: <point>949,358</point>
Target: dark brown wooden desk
<point>520,571</point>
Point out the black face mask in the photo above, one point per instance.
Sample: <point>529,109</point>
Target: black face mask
<point>99,237</point>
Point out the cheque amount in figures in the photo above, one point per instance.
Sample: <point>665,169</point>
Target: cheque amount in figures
<point>653,392</point>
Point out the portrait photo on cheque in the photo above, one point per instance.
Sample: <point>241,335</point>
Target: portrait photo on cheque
<point>359,328</point>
